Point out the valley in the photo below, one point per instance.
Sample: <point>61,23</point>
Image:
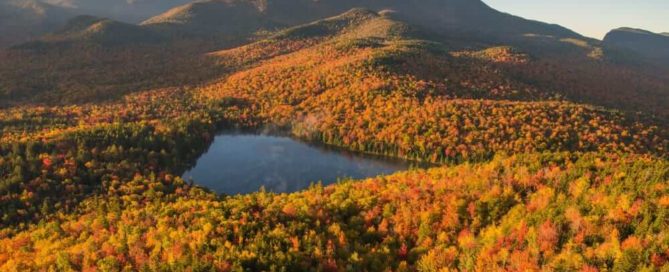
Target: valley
<point>540,149</point>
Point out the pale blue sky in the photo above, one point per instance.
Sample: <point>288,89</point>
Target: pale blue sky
<point>592,18</point>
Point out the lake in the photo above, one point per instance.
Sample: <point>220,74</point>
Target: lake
<point>240,163</point>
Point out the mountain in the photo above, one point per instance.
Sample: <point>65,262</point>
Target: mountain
<point>93,59</point>
<point>646,44</point>
<point>132,11</point>
<point>454,18</point>
<point>96,30</point>
<point>377,47</point>
<point>233,18</point>
<point>547,154</point>
<point>22,20</point>
<point>544,65</point>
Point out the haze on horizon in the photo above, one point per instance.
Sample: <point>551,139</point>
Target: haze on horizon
<point>592,18</point>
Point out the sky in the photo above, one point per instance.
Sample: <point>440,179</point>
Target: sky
<point>592,18</point>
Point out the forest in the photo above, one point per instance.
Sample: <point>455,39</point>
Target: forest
<point>536,167</point>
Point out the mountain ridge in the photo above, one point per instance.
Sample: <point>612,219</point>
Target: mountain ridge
<point>128,11</point>
<point>23,20</point>
<point>651,46</point>
<point>448,17</point>
<point>527,61</point>
<point>548,153</point>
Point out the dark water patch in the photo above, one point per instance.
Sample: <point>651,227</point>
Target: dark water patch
<point>243,163</point>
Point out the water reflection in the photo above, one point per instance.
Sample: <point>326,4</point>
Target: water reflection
<point>237,164</point>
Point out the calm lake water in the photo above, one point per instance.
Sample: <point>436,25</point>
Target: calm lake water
<point>237,164</point>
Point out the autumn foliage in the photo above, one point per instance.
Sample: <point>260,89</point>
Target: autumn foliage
<point>529,175</point>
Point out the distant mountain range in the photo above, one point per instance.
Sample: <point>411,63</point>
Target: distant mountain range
<point>22,20</point>
<point>131,11</point>
<point>469,21</point>
<point>471,18</point>
<point>103,31</point>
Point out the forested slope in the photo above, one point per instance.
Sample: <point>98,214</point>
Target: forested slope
<point>551,212</point>
<point>539,167</point>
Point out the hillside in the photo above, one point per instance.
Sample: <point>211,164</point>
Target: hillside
<point>132,11</point>
<point>22,20</point>
<point>95,59</point>
<point>330,88</point>
<point>463,26</point>
<point>545,152</point>
<point>494,72</point>
<point>516,213</point>
<point>94,30</point>
<point>237,19</point>
<point>471,19</point>
<point>599,81</point>
<point>654,47</point>
<point>363,81</point>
